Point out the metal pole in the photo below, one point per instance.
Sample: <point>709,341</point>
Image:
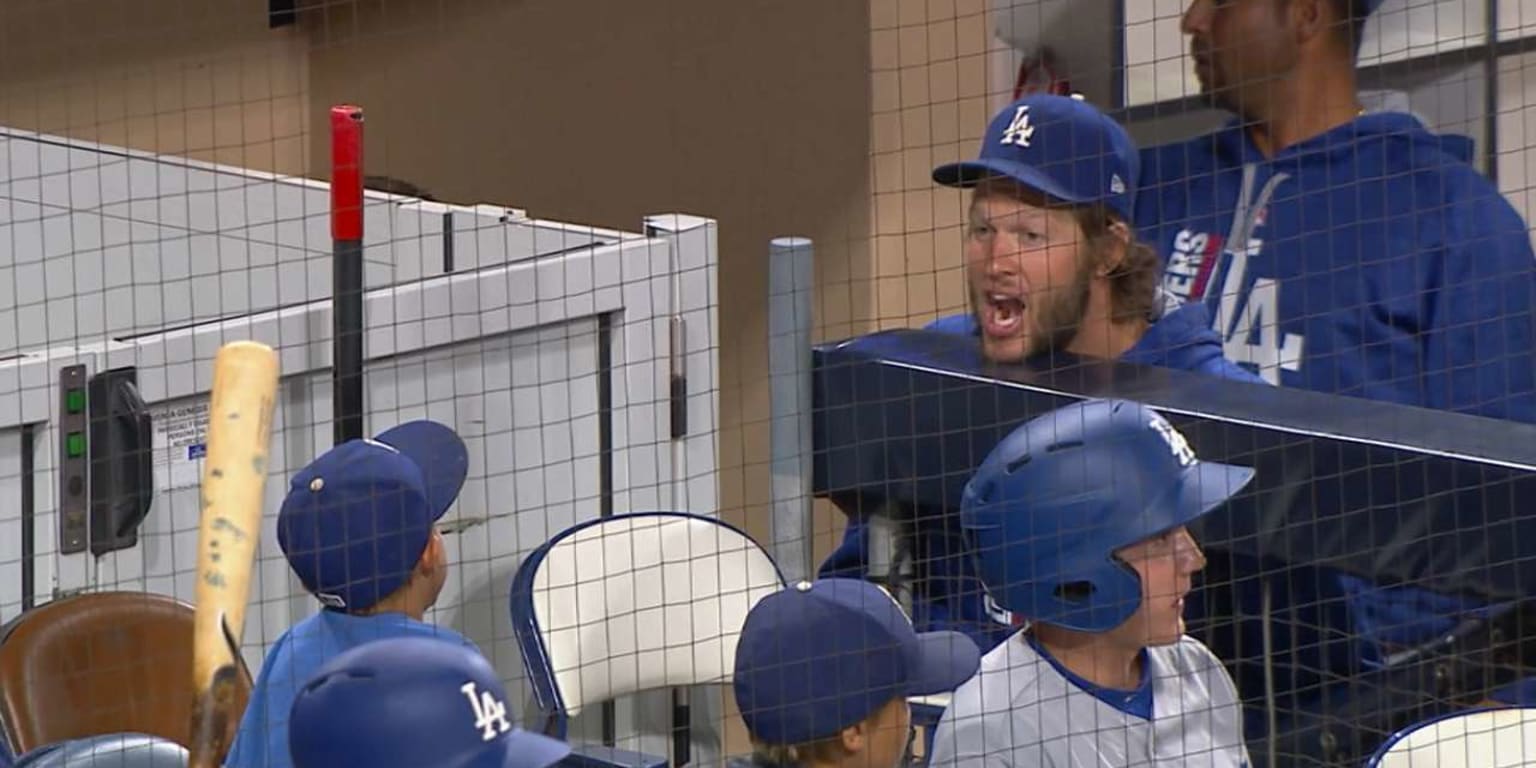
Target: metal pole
<point>791,262</point>
<point>347,272</point>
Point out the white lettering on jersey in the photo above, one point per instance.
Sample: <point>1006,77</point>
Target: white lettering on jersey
<point>1186,264</point>
<point>1176,442</point>
<point>1248,320</point>
<point>1250,324</point>
<point>490,714</point>
<point>1019,131</point>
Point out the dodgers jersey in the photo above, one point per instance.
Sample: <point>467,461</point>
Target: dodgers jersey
<point>1022,709</point>
<point>1371,260</point>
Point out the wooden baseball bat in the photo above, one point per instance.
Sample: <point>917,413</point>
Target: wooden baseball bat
<point>244,393</point>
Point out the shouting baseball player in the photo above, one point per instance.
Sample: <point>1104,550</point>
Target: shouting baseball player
<point>1076,522</point>
<point>1053,266</point>
<point>411,702</point>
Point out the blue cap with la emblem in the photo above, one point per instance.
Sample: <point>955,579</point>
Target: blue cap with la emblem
<point>1060,146</point>
<point>357,519</point>
<point>822,656</point>
<point>411,702</point>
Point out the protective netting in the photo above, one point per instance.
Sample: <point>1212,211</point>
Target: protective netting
<point>651,311</point>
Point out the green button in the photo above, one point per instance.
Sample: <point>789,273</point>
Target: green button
<point>74,445</point>
<point>74,401</point>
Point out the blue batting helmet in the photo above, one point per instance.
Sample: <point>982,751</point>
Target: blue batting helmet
<point>1053,502</point>
<point>411,701</point>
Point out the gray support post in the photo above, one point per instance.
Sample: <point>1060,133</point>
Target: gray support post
<point>791,263</point>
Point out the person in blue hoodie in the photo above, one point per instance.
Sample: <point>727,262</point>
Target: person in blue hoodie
<point>1342,252</point>
<point>1052,264</point>
<point>359,529</point>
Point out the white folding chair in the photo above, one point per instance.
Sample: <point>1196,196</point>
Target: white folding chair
<point>634,603</point>
<point>1481,738</point>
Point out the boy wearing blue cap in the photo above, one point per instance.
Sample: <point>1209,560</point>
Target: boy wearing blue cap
<point>411,702</point>
<point>359,529</point>
<point>823,672</point>
<point>1054,268</point>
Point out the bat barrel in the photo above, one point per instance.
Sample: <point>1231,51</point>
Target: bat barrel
<point>232,491</point>
<point>347,272</point>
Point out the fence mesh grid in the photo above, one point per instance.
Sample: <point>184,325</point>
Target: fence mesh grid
<point>711,315</point>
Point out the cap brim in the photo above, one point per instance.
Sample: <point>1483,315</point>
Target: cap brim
<point>440,454</point>
<point>947,660</point>
<point>973,172</point>
<point>1208,485</point>
<point>526,749</point>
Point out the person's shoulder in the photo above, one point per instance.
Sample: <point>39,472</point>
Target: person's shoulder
<point>959,324</point>
<point>1405,152</point>
<point>1175,160</point>
<point>416,628</point>
<point>1188,654</point>
<point>1190,658</point>
<point>1010,677</point>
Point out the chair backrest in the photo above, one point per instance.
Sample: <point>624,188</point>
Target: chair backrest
<point>633,603</point>
<point>1484,738</point>
<point>101,663</point>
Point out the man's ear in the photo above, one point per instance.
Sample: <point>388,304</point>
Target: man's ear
<point>1113,249</point>
<point>855,738</point>
<point>1310,19</point>
<point>434,556</point>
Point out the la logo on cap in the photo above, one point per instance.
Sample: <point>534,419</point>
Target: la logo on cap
<point>1019,130</point>
<point>490,713</point>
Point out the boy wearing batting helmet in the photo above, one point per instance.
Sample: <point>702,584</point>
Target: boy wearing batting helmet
<point>1077,523</point>
<point>359,529</point>
<point>823,671</point>
<point>411,702</point>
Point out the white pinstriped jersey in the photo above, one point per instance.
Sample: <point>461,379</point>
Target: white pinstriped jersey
<point>1021,711</point>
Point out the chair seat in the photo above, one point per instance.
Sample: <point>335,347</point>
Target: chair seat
<point>97,664</point>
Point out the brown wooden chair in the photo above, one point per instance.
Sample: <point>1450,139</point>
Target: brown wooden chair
<point>100,663</point>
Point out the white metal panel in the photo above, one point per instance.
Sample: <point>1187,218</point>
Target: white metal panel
<point>121,258</point>
<point>11,482</point>
<point>508,355</point>
<point>100,242</point>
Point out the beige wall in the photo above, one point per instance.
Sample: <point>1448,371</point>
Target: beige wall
<point>206,80</point>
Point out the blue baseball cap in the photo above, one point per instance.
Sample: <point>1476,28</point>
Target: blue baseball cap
<point>411,702</point>
<point>819,657</point>
<point>356,520</point>
<point>1060,146</point>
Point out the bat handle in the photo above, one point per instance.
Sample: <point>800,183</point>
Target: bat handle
<point>214,716</point>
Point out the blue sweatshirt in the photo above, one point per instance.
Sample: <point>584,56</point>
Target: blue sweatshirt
<point>262,739</point>
<point>947,594</point>
<point>1370,261</point>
